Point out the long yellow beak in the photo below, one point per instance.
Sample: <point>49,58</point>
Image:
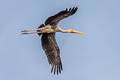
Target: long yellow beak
<point>80,33</point>
<point>74,31</point>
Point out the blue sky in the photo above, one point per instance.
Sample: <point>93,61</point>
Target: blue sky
<point>94,56</point>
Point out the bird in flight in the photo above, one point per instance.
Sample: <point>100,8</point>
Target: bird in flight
<point>49,44</point>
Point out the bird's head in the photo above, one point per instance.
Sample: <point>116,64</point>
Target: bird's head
<point>75,31</point>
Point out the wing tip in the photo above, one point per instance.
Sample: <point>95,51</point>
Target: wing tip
<point>56,69</point>
<point>72,10</point>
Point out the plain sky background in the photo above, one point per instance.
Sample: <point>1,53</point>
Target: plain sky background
<point>94,56</point>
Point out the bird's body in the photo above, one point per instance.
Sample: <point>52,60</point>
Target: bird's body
<point>48,40</point>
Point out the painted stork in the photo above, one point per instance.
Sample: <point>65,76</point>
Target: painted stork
<point>48,40</point>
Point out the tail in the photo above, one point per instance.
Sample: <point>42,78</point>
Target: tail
<point>33,31</point>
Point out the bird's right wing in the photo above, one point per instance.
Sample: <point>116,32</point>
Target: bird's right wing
<point>61,15</point>
<point>52,51</point>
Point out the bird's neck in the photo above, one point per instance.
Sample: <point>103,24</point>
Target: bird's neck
<point>62,30</point>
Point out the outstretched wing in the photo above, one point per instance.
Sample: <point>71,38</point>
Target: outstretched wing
<point>52,51</point>
<point>61,15</point>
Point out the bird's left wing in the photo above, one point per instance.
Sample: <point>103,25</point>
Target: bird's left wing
<point>61,15</point>
<point>52,51</point>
